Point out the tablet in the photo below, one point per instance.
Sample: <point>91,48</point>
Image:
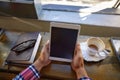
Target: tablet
<point>63,38</point>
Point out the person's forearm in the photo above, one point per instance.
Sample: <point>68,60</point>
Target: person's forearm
<point>81,73</point>
<point>29,73</point>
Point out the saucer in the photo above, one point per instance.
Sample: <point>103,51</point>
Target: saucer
<point>89,58</point>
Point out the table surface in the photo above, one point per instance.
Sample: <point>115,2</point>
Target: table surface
<point>107,69</point>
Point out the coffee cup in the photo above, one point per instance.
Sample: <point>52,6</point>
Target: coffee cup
<point>95,45</point>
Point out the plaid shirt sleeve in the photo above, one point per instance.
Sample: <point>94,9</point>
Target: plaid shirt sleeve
<point>29,73</point>
<point>85,78</point>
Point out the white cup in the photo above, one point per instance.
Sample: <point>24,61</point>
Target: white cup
<point>95,45</point>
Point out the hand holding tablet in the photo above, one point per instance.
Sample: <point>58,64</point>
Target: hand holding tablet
<point>63,40</point>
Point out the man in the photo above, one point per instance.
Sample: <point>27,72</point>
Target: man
<point>32,72</point>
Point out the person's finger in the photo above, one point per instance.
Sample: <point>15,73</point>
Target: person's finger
<point>47,43</point>
<point>81,62</point>
<point>75,59</point>
<point>80,57</point>
<point>75,52</point>
<point>79,52</point>
<point>78,47</point>
<point>46,47</point>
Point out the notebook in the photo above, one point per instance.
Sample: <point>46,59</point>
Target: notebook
<point>27,56</point>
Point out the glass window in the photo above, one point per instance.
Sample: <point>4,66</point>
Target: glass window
<point>79,2</point>
<point>79,5</point>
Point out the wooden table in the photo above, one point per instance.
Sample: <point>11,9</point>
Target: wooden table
<point>108,69</point>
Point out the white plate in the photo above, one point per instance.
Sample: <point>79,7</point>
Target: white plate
<point>89,58</point>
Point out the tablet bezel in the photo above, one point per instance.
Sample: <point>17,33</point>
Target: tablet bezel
<point>66,26</point>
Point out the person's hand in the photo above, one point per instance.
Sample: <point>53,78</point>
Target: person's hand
<point>78,63</point>
<point>43,59</point>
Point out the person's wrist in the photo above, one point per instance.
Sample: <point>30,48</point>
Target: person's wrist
<point>81,73</point>
<point>38,65</point>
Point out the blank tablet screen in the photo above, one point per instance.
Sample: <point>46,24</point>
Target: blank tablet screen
<point>63,42</point>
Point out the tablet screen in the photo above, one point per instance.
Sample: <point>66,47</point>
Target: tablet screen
<point>63,42</point>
